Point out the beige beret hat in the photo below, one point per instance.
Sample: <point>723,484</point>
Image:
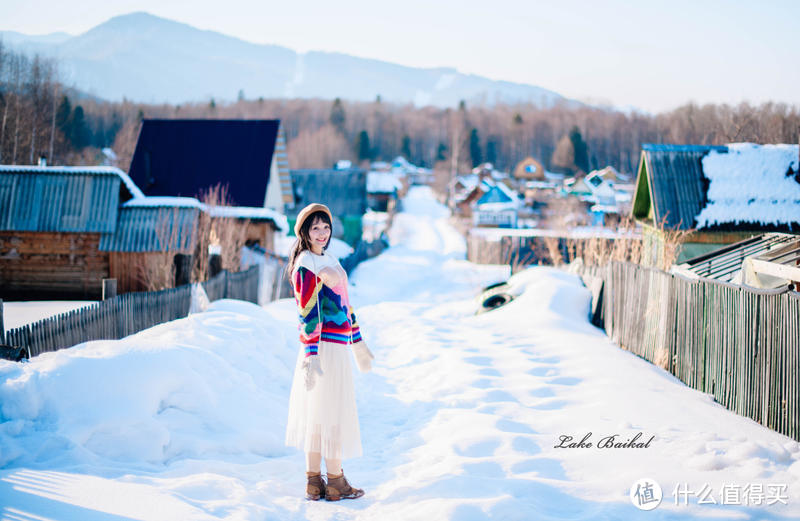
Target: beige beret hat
<point>308,210</point>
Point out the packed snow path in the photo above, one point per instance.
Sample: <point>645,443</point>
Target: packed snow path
<point>459,419</point>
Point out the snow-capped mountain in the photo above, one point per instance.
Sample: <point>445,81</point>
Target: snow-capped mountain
<point>145,58</point>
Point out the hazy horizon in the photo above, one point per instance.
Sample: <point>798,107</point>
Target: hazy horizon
<point>652,57</point>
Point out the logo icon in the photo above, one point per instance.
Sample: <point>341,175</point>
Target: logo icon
<point>646,494</point>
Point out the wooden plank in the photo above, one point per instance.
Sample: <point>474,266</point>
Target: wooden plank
<point>783,271</point>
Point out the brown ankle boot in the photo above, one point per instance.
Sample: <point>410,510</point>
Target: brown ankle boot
<point>315,489</point>
<point>338,488</point>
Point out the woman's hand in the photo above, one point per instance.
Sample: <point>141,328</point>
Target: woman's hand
<point>330,276</point>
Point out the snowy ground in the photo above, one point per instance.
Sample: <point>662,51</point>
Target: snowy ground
<point>459,419</point>
<point>16,314</point>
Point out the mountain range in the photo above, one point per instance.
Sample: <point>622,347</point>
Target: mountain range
<point>144,58</point>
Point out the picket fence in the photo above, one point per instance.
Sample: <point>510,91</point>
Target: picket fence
<point>739,344</point>
<point>126,314</point>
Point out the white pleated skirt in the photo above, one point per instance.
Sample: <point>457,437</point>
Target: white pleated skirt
<point>325,419</point>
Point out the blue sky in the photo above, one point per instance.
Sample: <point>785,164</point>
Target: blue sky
<point>654,55</point>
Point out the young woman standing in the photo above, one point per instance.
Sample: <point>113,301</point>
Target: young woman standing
<point>323,420</point>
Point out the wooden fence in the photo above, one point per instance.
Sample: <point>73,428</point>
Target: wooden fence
<point>126,314</point>
<point>740,345</point>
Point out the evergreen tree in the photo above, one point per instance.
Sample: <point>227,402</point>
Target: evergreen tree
<point>79,131</point>
<point>363,150</point>
<point>441,150</point>
<point>337,116</point>
<point>580,149</point>
<point>492,144</point>
<point>475,147</point>
<point>405,147</point>
<point>517,119</point>
<point>212,105</point>
<point>63,113</point>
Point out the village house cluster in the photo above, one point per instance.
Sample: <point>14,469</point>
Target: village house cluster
<point>192,184</point>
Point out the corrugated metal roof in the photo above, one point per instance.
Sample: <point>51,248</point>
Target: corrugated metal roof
<point>724,263</point>
<point>153,228</point>
<point>676,182</point>
<point>59,199</point>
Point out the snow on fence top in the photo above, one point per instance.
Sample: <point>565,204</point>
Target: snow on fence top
<point>752,184</point>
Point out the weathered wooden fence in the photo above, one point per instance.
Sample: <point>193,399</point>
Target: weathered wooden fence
<point>126,314</point>
<point>741,345</point>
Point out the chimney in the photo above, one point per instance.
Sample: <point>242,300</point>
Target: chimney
<point>42,161</point>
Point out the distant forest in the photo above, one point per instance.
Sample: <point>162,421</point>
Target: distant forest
<point>39,117</point>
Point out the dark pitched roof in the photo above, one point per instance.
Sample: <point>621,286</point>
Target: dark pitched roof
<point>671,181</point>
<point>182,157</point>
<point>62,199</point>
<point>343,191</point>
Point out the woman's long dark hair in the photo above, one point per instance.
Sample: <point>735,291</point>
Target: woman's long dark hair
<point>303,241</point>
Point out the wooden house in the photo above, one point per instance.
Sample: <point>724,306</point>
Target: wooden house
<point>529,169</point>
<point>185,157</point>
<point>52,221</point>
<point>343,191</point>
<point>382,190</point>
<point>161,230</point>
<point>64,229</point>
<point>723,194</point>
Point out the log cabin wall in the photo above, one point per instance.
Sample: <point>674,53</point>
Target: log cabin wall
<point>51,265</point>
<point>126,266</point>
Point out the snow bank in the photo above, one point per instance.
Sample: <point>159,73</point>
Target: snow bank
<point>212,384</point>
<point>554,293</point>
<point>749,185</point>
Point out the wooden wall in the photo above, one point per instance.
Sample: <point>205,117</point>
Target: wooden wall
<point>262,232</point>
<point>51,265</point>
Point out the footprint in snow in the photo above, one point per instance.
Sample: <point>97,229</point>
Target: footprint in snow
<point>543,371</point>
<point>542,392</point>
<point>543,467</point>
<point>515,427</point>
<point>526,445</point>
<point>479,449</point>
<point>565,380</point>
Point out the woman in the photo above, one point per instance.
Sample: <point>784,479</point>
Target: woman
<point>323,420</point>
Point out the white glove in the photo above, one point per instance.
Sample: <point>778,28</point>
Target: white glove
<point>311,369</point>
<point>364,356</point>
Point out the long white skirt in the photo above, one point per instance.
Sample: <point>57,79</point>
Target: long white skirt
<point>325,419</point>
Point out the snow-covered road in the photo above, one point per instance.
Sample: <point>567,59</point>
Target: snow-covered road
<point>460,418</point>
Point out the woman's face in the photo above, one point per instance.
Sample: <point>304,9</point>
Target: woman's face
<point>319,233</point>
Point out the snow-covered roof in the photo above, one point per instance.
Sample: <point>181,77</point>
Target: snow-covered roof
<point>78,170</point>
<point>497,206</point>
<point>165,202</point>
<point>469,181</point>
<point>240,212</point>
<point>751,184</point>
<point>382,182</point>
<point>249,212</point>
